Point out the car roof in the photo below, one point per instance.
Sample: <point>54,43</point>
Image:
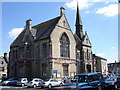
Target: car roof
<point>91,73</point>
<point>114,77</point>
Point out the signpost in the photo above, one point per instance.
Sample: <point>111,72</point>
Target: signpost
<point>55,71</point>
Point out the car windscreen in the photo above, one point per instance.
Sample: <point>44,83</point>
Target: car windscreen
<point>19,79</point>
<point>81,78</point>
<point>111,79</point>
<point>10,79</point>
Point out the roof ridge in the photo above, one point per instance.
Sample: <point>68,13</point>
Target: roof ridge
<point>45,21</point>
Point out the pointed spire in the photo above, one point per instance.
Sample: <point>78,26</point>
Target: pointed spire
<point>78,24</point>
<point>78,18</point>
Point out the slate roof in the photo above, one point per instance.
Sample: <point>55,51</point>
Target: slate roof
<point>44,29</point>
<point>40,31</point>
<point>100,57</point>
<point>78,41</point>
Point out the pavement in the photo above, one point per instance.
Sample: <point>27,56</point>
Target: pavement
<point>25,88</point>
<point>38,88</point>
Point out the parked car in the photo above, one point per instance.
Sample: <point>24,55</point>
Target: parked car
<point>22,82</point>
<point>0,79</point>
<point>105,76</point>
<point>118,82</point>
<point>35,82</point>
<point>73,86</point>
<point>110,74</point>
<point>52,82</point>
<point>90,80</point>
<point>10,81</point>
<point>113,82</point>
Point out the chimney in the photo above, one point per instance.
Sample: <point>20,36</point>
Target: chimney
<point>62,11</point>
<point>5,57</point>
<point>29,24</point>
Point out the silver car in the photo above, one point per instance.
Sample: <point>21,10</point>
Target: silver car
<point>52,82</point>
<point>35,82</point>
<point>22,81</point>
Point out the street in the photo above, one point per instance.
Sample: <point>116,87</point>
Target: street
<point>25,88</point>
<point>38,88</point>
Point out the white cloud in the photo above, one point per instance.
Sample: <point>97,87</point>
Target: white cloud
<point>82,4</point>
<point>15,32</point>
<point>100,54</point>
<point>113,47</point>
<point>87,11</point>
<point>110,10</point>
<point>85,3</point>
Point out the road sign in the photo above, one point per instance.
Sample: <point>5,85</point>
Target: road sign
<point>55,71</point>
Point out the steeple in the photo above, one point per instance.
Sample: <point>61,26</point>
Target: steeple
<point>78,24</point>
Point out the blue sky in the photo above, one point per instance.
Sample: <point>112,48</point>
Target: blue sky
<point>99,19</point>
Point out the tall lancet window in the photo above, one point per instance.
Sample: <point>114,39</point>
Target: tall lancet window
<point>64,46</point>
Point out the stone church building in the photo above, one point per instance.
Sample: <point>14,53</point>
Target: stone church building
<point>50,49</point>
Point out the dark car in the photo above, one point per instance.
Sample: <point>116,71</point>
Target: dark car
<point>13,83</point>
<point>73,86</point>
<point>113,82</point>
<point>118,82</point>
<point>10,81</point>
<point>89,81</point>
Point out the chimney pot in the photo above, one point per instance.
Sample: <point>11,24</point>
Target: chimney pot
<point>29,24</point>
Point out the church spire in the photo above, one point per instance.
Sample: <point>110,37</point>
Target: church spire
<point>78,24</point>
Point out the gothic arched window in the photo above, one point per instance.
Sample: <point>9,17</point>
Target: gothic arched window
<point>64,46</point>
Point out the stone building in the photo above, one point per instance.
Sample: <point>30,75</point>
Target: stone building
<point>100,64</point>
<point>114,68</point>
<point>50,49</point>
<point>3,66</point>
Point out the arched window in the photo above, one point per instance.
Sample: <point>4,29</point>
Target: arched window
<point>64,46</point>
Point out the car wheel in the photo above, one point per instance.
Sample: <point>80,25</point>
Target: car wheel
<point>99,88</point>
<point>34,86</point>
<point>49,86</point>
<point>23,84</point>
<point>115,86</point>
<point>61,84</point>
<point>8,84</point>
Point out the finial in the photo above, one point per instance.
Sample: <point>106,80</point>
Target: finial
<point>62,11</point>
